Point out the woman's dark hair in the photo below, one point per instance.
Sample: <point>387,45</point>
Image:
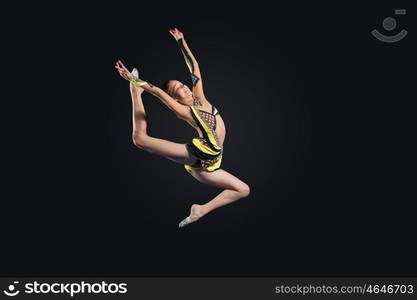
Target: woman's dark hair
<point>166,85</point>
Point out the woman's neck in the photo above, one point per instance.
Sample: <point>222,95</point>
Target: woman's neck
<point>188,101</point>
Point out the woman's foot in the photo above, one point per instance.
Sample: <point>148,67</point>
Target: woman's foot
<point>132,86</point>
<point>195,214</point>
<point>135,73</point>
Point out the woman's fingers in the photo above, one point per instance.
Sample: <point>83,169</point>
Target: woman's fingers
<point>176,33</point>
<point>124,75</point>
<point>119,67</point>
<point>122,65</point>
<point>123,72</point>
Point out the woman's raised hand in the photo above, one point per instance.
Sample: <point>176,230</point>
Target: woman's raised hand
<point>176,34</point>
<point>123,71</point>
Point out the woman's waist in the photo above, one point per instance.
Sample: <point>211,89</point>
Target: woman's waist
<point>217,135</point>
<point>207,142</point>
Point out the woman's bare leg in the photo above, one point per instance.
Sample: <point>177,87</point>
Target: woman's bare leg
<point>234,189</point>
<point>173,151</point>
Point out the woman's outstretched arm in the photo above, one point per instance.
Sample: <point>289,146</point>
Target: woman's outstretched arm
<point>180,110</point>
<point>191,64</point>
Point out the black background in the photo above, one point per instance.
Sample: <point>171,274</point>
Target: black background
<point>319,124</point>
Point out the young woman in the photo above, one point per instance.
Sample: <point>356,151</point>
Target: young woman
<point>203,155</point>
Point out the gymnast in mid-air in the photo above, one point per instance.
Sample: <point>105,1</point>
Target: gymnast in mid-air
<point>201,157</point>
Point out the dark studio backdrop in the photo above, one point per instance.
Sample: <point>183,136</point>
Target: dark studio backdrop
<point>319,124</point>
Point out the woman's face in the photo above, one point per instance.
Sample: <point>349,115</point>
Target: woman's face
<point>179,90</point>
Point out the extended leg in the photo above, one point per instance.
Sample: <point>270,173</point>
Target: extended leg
<point>234,189</point>
<point>173,151</point>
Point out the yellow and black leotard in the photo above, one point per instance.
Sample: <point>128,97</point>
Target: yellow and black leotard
<point>206,148</point>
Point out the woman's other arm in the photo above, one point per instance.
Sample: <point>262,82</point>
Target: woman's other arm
<point>180,110</point>
<point>191,63</point>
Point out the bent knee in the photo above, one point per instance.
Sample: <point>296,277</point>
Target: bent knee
<point>244,190</point>
<point>140,140</point>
